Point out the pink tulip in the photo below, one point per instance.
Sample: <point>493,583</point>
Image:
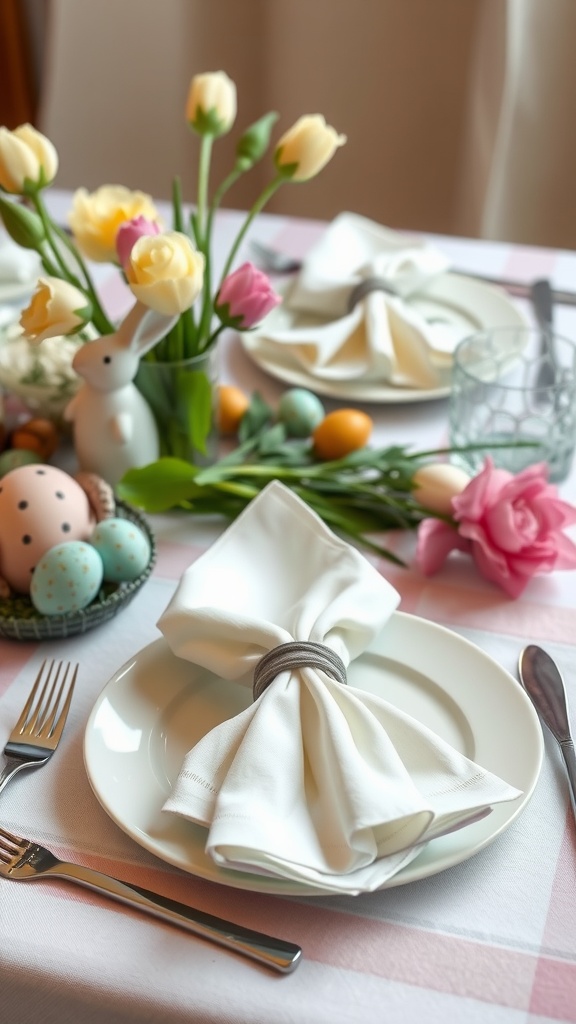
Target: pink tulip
<point>510,525</point>
<point>245,297</point>
<point>128,234</point>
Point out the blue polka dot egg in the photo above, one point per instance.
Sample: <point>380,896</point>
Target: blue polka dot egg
<point>123,547</point>
<point>66,579</point>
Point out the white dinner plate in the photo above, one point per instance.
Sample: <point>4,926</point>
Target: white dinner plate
<point>463,303</point>
<point>157,706</point>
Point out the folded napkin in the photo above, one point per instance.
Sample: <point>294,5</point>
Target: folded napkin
<point>17,266</point>
<point>382,337</point>
<point>317,782</point>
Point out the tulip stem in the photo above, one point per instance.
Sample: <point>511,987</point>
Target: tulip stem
<point>99,318</point>
<point>254,211</point>
<point>202,205</point>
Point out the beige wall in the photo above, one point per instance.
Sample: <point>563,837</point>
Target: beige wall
<point>390,75</point>
<point>459,113</point>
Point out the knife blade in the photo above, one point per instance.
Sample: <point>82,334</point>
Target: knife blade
<point>520,289</point>
<point>541,678</point>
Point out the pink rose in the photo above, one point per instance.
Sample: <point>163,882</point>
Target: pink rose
<point>128,234</point>
<point>245,297</point>
<point>511,525</point>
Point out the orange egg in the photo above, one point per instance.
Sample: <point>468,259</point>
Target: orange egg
<point>232,404</point>
<point>36,435</point>
<point>341,432</point>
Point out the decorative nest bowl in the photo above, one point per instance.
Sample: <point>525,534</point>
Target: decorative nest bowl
<point>19,619</point>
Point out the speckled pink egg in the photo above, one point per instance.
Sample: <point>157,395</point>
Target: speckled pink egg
<point>40,506</point>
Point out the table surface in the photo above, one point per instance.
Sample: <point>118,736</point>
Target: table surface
<point>490,940</point>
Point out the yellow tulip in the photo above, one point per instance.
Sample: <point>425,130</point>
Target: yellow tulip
<point>211,104</point>
<point>165,272</point>
<point>28,160</point>
<point>96,216</point>
<point>436,484</point>
<point>307,147</point>
<point>56,308</point>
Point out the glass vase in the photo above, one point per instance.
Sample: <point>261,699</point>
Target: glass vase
<point>182,395</point>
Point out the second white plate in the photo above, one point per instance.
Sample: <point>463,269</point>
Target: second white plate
<point>463,303</point>
<point>157,706</point>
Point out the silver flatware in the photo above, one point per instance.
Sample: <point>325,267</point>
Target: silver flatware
<point>275,262</point>
<point>543,306</point>
<point>37,732</point>
<point>23,860</point>
<point>543,683</point>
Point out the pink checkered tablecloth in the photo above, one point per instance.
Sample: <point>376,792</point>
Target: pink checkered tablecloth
<point>490,940</point>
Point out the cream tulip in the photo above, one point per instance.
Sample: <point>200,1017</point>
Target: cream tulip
<point>211,104</point>
<point>96,217</point>
<point>56,308</point>
<point>307,147</point>
<point>436,484</point>
<point>165,272</point>
<point>28,160</point>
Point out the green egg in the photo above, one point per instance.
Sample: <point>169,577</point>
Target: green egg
<point>300,411</point>
<point>13,458</point>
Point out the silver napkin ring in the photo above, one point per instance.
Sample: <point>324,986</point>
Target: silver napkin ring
<point>370,284</point>
<point>296,654</point>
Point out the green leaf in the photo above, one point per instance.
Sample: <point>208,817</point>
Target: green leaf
<point>23,225</point>
<point>253,144</point>
<point>209,122</point>
<point>272,440</point>
<point>159,486</point>
<point>258,415</point>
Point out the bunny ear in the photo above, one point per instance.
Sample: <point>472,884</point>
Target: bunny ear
<point>143,327</point>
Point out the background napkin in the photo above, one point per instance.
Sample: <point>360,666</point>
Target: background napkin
<point>383,337</point>
<point>315,781</point>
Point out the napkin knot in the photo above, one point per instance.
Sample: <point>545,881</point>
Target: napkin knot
<point>296,654</point>
<point>370,284</point>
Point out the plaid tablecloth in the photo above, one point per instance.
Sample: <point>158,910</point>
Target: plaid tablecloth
<point>490,941</point>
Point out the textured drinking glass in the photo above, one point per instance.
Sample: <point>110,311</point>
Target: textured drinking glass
<point>503,393</point>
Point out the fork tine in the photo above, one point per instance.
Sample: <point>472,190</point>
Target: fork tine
<point>9,844</point>
<point>26,710</point>
<point>43,715</point>
<point>60,713</point>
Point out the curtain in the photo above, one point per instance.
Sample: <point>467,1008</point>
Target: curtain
<point>458,114</point>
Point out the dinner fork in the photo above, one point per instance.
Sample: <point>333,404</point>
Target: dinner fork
<point>23,860</point>
<point>37,732</point>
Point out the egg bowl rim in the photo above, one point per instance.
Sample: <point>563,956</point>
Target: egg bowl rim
<point>36,626</point>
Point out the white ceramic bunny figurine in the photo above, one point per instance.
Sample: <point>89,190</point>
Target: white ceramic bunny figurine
<point>113,426</point>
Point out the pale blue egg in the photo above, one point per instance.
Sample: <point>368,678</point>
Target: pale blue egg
<point>123,547</point>
<point>300,411</point>
<point>66,579</point>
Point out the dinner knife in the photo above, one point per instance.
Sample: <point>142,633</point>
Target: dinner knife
<point>543,683</point>
<point>547,369</point>
<point>520,289</point>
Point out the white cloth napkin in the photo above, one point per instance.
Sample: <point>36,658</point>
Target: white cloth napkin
<point>383,338</point>
<point>317,782</point>
<point>17,266</point>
